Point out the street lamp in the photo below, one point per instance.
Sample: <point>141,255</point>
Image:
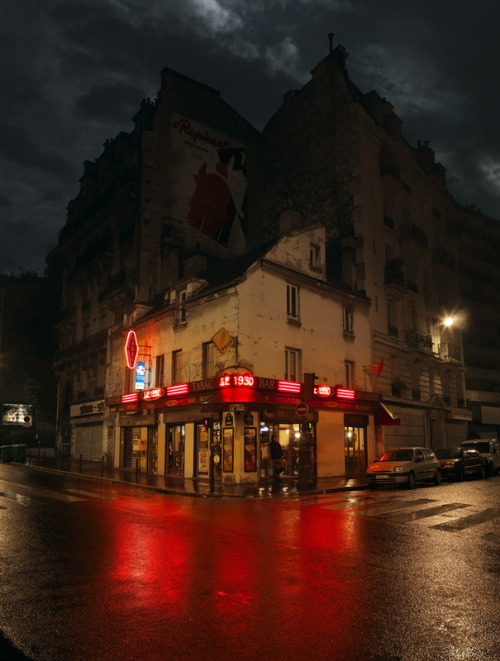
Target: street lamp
<point>449,321</point>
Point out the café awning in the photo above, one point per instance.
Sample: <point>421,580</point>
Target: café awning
<point>384,416</point>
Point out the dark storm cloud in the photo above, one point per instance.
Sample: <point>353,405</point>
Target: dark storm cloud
<point>74,74</point>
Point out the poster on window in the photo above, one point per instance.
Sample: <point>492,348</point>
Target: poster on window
<point>227,449</point>
<point>250,436</point>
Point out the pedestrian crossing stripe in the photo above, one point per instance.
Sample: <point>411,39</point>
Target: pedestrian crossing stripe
<point>391,510</point>
<point>74,495</point>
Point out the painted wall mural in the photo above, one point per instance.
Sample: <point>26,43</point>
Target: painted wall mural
<point>215,193</point>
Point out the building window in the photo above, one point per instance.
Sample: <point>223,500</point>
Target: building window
<point>159,365</point>
<point>349,374</point>
<point>209,360</point>
<point>348,327</point>
<point>314,256</point>
<point>392,327</point>
<point>177,366</point>
<point>292,302</point>
<point>293,364</point>
<point>180,313</point>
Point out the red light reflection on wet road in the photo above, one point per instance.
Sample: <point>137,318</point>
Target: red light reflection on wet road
<point>219,573</point>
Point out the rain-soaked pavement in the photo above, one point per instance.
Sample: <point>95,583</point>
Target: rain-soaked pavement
<point>95,570</point>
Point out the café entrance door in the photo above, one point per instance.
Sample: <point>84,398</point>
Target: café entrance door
<point>355,444</point>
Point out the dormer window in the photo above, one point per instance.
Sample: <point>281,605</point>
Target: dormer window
<point>314,256</point>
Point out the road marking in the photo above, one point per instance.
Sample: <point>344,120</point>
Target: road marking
<point>469,521</point>
<point>425,513</point>
<point>44,493</point>
<point>16,497</point>
<point>93,494</point>
<point>380,508</point>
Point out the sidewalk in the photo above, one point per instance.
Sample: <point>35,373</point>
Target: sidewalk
<point>267,488</point>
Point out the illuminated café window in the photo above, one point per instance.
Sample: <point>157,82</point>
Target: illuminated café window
<point>177,366</point>
<point>292,302</point>
<point>159,368</point>
<point>293,364</point>
<point>349,374</point>
<point>210,352</point>
<point>347,314</point>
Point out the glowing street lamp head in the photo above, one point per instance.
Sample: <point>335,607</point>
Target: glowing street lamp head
<point>449,321</point>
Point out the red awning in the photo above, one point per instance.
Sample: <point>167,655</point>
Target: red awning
<point>219,400</point>
<point>385,416</point>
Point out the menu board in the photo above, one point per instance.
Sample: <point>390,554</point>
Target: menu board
<point>227,449</point>
<point>250,437</point>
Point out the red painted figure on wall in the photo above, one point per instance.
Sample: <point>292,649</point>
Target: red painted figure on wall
<point>211,208</point>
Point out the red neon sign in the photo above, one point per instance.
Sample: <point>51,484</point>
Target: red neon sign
<point>290,387</point>
<point>178,389</point>
<point>345,393</point>
<point>130,398</point>
<point>237,381</point>
<point>154,393</point>
<point>131,349</point>
<point>323,391</point>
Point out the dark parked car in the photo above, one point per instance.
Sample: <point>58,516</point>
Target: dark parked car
<point>489,449</point>
<point>457,463</point>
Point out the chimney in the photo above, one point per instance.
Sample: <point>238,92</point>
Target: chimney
<point>330,38</point>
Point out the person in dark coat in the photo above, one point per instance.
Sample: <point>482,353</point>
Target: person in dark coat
<point>276,455</point>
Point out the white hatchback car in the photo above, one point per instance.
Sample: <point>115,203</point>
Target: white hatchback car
<point>405,466</point>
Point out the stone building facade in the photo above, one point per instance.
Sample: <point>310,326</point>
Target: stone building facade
<point>159,204</point>
<point>338,156</point>
<point>479,267</point>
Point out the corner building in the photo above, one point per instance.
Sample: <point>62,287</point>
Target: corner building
<point>220,364</point>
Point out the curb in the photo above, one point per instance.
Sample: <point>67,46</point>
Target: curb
<point>200,494</point>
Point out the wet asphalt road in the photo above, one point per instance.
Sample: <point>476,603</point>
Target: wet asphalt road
<point>94,571</point>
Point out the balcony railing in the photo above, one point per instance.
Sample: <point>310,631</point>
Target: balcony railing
<point>451,352</point>
<point>416,339</point>
<point>394,275</point>
<point>410,233</point>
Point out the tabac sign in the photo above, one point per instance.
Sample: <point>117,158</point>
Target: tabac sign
<point>131,349</point>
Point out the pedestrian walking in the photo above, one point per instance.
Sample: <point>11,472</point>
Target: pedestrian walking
<point>276,455</point>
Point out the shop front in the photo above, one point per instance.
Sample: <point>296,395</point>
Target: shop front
<point>220,428</point>
<point>87,430</point>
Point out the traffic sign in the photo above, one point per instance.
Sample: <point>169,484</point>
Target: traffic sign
<point>302,409</point>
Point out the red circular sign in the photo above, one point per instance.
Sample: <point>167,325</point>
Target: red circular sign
<point>302,409</point>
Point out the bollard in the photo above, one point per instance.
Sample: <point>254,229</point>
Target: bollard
<point>39,456</point>
<point>136,470</point>
<point>212,470</point>
<point>44,462</point>
<point>29,458</point>
<point>102,466</point>
<point>80,463</point>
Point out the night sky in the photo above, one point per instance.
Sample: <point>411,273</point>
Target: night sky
<point>75,71</point>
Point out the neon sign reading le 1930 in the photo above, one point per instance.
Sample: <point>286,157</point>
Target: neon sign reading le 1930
<point>236,380</point>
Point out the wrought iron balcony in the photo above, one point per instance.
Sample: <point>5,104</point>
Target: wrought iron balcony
<point>450,352</point>
<point>394,275</point>
<point>410,233</point>
<point>416,339</point>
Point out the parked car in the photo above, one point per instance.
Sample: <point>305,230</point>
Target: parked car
<point>405,466</point>
<point>489,449</point>
<point>457,463</point>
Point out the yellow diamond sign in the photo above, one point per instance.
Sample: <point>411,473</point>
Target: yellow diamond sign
<point>222,340</point>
